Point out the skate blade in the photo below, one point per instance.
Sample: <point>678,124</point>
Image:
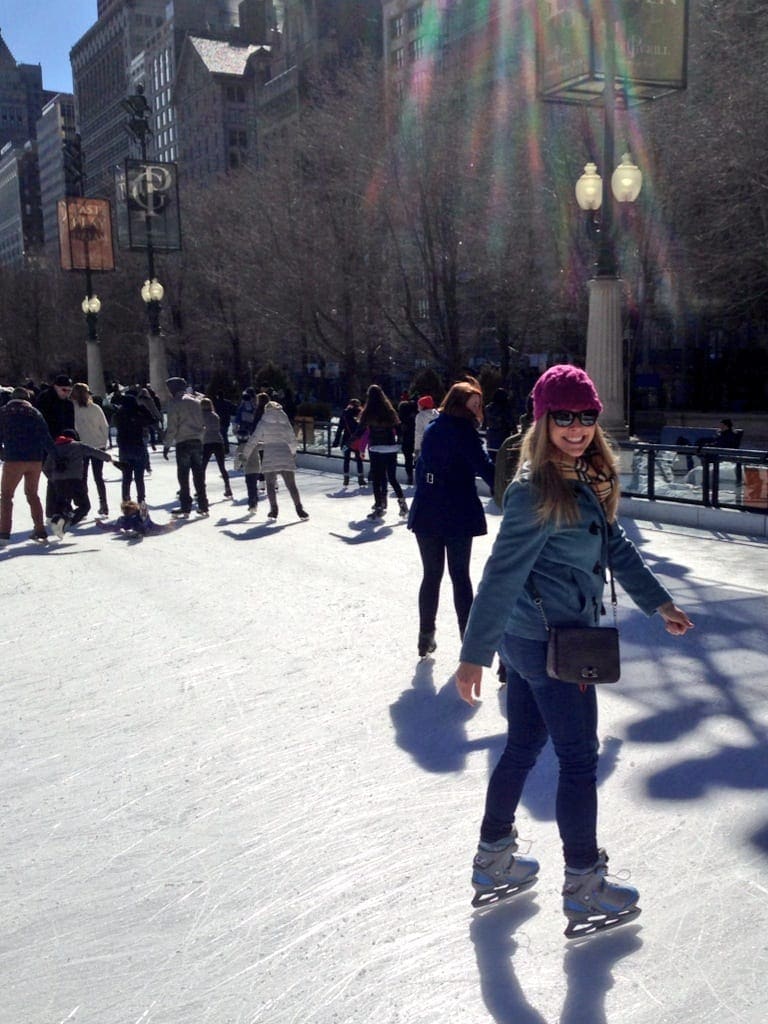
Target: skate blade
<point>590,924</point>
<point>490,897</point>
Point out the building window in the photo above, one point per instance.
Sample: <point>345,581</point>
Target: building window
<point>396,26</point>
<point>398,57</point>
<point>416,49</point>
<point>415,15</point>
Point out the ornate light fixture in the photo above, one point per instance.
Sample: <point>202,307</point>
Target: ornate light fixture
<point>152,291</point>
<point>627,180</point>
<point>91,304</point>
<point>589,188</point>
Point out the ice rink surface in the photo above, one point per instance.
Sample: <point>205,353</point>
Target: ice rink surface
<point>232,793</point>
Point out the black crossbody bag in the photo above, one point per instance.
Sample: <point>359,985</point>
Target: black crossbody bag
<point>583,654</point>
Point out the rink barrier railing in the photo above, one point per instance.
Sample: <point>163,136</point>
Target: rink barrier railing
<point>681,474</point>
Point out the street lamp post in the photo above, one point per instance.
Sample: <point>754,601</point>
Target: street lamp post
<point>604,362</point>
<point>91,306</point>
<point>605,356</point>
<point>151,291</point>
<point>577,63</point>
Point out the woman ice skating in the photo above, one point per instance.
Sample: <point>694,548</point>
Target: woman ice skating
<point>558,533</point>
<point>382,421</point>
<point>92,428</point>
<point>276,438</point>
<point>446,512</point>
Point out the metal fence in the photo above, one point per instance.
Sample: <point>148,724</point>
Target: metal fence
<point>712,477</point>
<point>686,474</point>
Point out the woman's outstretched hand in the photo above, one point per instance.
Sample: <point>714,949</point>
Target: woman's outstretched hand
<point>468,680</point>
<point>675,620</point>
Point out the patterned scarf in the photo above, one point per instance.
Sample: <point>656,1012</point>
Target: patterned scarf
<point>587,470</point>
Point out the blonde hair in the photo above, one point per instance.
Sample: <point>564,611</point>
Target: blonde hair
<point>556,502</point>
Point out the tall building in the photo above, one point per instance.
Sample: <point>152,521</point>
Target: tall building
<point>21,98</point>
<point>139,43</point>
<point>102,62</point>
<point>21,226</point>
<point>216,95</point>
<point>314,35</point>
<point>55,127</point>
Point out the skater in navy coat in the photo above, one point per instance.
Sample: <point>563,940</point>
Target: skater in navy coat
<point>446,512</point>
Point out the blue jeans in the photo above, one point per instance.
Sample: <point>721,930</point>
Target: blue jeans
<point>189,456</point>
<point>539,707</point>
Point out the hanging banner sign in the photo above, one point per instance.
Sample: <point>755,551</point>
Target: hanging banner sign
<point>148,205</point>
<point>85,234</point>
<point>651,42</point>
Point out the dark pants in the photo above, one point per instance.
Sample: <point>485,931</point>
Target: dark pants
<point>290,482</point>
<point>189,457</point>
<point>433,551</point>
<point>67,493</point>
<point>348,453</point>
<point>408,460</point>
<point>216,450</point>
<point>383,468</point>
<point>252,488</point>
<point>539,707</point>
<point>97,467</point>
<point>134,463</point>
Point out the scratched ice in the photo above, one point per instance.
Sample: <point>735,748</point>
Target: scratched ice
<point>232,794</point>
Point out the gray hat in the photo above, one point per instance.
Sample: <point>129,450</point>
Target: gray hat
<point>20,393</point>
<point>176,385</point>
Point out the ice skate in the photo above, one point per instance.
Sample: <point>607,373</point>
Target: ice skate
<point>4,539</point>
<point>180,513</point>
<point>377,513</point>
<point>302,513</point>
<point>272,514</point>
<point>427,644</point>
<point>592,904</point>
<point>498,874</point>
<point>59,525</point>
<point>402,506</point>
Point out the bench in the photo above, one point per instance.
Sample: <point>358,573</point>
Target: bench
<point>692,435</point>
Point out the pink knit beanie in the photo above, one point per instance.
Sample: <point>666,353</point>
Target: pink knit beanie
<point>426,402</point>
<point>564,387</point>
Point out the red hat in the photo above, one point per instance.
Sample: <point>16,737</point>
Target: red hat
<point>564,387</point>
<point>426,402</point>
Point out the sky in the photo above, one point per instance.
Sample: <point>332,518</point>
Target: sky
<point>42,32</point>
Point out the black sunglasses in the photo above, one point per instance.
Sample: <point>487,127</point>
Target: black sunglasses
<point>564,417</point>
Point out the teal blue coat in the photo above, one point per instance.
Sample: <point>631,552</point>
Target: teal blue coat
<point>567,566</point>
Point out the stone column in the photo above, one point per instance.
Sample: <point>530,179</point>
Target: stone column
<point>95,368</point>
<point>158,365</point>
<point>605,354</point>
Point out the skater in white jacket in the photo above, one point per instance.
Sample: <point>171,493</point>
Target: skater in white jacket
<point>276,438</point>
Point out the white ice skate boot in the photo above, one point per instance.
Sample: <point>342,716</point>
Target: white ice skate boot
<point>592,904</point>
<point>498,874</point>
